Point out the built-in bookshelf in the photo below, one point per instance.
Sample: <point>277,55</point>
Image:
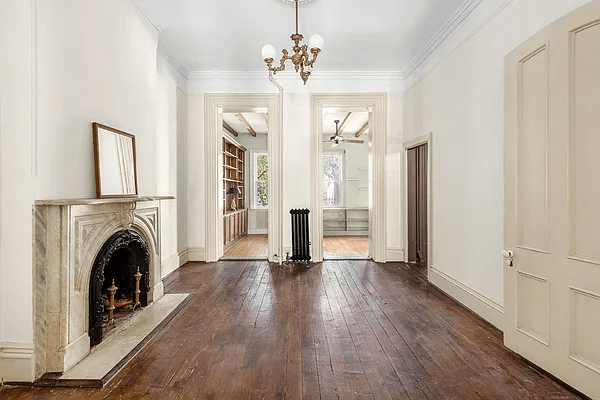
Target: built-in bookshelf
<point>235,219</point>
<point>342,221</point>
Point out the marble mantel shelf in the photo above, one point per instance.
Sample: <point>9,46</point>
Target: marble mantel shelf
<point>85,201</point>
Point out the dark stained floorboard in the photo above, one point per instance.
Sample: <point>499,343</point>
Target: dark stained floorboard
<point>337,330</point>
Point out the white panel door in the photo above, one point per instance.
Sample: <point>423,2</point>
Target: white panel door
<point>552,199</point>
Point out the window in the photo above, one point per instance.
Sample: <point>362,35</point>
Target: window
<point>332,179</point>
<point>261,180</point>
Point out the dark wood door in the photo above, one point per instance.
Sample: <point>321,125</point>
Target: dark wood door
<point>417,203</point>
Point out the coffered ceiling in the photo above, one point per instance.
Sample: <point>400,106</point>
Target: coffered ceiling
<point>360,35</point>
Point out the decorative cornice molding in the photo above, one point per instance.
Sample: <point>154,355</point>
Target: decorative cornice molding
<point>476,26</point>
<point>174,61</point>
<point>152,21</point>
<point>285,75</point>
<point>454,21</point>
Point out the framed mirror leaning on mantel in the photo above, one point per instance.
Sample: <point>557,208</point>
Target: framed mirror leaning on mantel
<point>115,162</point>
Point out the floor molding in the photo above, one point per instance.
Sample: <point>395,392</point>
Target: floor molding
<point>196,253</point>
<point>169,264</point>
<point>394,254</point>
<point>184,256</point>
<point>483,306</point>
<point>17,362</point>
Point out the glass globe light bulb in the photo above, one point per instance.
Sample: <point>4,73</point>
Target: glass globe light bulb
<point>268,51</point>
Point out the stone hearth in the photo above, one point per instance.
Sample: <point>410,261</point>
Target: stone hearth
<point>69,234</point>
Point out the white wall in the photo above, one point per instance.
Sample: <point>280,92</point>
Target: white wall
<point>16,181</point>
<point>296,141</point>
<point>182,170</point>
<point>461,103</point>
<point>63,68</point>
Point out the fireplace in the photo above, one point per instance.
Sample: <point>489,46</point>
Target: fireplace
<point>81,246</point>
<point>124,256</point>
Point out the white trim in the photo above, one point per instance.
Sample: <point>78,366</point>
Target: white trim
<point>169,264</point>
<point>377,214</point>
<point>162,50</point>
<point>394,254</point>
<point>214,105</point>
<point>283,76</point>
<point>184,256</point>
<point>17,362</point>
<point>480,17</point>
<point>196,253</point>
<point>425,139</point>
<point>258,231</point>
<point>152,21</point>
<point>449,26</point>
<point>486,308</point>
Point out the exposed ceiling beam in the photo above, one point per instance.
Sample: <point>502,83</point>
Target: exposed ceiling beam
<point>362,129</point>
<point>244,121</point>
<point>344,123</point>
<point>229,129</point>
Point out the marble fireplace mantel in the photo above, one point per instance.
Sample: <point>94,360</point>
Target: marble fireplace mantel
<point>69,233</point>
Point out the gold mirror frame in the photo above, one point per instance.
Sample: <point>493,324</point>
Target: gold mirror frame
<point>114,162</point>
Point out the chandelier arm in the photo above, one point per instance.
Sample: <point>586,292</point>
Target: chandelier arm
<point>281,67</point>
<point>315,54</point>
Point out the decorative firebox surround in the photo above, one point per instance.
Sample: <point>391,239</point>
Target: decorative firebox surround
<point>127,242</point>
<point>69,235</point>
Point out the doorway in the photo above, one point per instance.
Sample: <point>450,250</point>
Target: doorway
<point>417,203</point>
<point>345,183</point>
<point>416,195</point>
<point>375,104</point>
<point>245,185</point>
<point>215,195</point>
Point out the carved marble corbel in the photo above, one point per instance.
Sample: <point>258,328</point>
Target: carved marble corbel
<point>125,214</point>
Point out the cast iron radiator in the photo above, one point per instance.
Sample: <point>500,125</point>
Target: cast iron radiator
<point>300,242</point>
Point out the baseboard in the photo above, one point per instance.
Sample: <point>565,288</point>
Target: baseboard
<point>485,307</point>
<point>17,362</point>
<point>258,231</point>
<point>169,264</point>
<point>184,256</point>
<point>196,253</point>
<point>394,254</point>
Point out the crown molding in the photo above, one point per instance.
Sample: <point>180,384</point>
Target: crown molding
<point>152,21</point>
<point>480,16</point>
<point>174,61</point>
<point>454,21</point>
<point>288,75</point>
<point>319,81</point>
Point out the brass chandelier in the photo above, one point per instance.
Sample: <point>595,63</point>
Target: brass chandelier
<point>300,58</point>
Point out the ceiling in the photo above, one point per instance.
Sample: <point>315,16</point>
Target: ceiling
<point>360,35</point>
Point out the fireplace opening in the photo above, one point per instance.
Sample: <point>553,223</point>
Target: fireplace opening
<point>119,283</point>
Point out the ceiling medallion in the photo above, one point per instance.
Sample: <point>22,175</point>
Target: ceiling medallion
<point>300,58</point>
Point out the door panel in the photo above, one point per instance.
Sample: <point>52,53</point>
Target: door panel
<point>532,151</point>
<point>411,158</point>
<point>552,199</point>
<point>422,203</point>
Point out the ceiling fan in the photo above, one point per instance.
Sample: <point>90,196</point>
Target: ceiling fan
<point>338,138</point>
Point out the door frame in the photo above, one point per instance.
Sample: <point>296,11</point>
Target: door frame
<point>214,104</point>
<point>425,139</point>
<point>377,102</point>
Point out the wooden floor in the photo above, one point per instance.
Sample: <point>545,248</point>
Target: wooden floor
<point>249,246</point>
<point>340,246</point>
<point>340,329</point>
